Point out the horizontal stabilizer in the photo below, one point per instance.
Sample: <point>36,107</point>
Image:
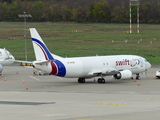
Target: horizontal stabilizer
<point>41,62</point>
<point>23,63</point>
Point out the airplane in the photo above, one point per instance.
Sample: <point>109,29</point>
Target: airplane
<point>6,58</point>
<point>118,66</point>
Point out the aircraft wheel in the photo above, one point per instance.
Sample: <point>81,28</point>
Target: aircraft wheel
<point>137,77</point>
<point>81,80</point>
<point>103,80</point>
<point>99,80</point>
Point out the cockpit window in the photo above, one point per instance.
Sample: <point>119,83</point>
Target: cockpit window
<point>9,53</point>
<point>145,60</point>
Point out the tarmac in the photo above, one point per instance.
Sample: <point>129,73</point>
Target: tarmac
<point>25,96</point>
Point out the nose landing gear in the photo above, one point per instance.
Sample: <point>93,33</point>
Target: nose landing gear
<point>137,76</point>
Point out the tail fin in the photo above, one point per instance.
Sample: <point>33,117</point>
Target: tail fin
<point>6,54</point>
<point>40,49</point>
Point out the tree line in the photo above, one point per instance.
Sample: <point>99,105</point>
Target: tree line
<point>99,11</point>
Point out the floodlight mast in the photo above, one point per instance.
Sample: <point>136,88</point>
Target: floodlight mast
<point>24,15</point>
<point>134,3</point>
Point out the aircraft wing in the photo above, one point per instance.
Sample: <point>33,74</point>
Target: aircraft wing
<point>98,72</point>
<point>44,61</point>
<point>23,63</point>
<point>28,63</point>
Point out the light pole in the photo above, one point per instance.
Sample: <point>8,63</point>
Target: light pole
<point>134,3</point>
<point>24,15</point>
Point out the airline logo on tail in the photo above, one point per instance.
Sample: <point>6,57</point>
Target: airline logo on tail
<point>58,67</point>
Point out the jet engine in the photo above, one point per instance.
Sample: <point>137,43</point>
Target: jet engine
<point>125,74</point>
<point>1,68</point>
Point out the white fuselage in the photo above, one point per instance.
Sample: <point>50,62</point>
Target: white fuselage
<point>83,66</point>
<point>120,66</point>
<point>6,58</point>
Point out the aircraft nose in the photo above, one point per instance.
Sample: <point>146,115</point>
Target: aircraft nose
<point>149,65</point>
<point>12,58</point>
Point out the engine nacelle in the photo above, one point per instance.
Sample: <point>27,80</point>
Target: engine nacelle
<point>125,74</point>
<point>1,68</point>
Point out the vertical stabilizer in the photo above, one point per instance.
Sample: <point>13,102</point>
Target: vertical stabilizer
<point>6,54</point>
<point>40,49</point>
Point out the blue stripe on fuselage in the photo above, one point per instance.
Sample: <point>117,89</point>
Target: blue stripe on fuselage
<point>61,68</point>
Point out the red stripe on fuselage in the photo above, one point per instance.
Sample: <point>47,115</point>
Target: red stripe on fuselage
<point>54,69</point>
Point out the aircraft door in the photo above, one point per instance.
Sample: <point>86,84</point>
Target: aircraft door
<point>141,62</point>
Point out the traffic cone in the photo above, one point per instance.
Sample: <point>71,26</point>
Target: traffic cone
<point>139,84</point>
<point>135,80</point>
<point>23,81</point>
<point>26,88</point>
<point>17,72</point>
<point>94,80</point>
<point>5,79</point>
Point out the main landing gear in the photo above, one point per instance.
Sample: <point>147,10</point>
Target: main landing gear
<point>101,80</point>
<point>82,80</point>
